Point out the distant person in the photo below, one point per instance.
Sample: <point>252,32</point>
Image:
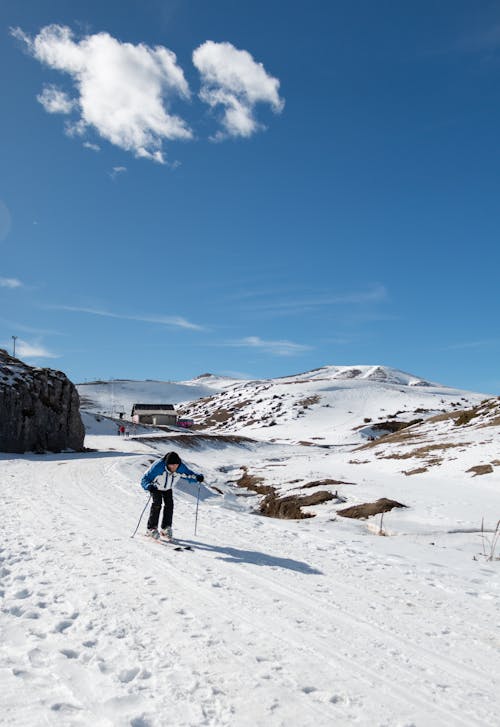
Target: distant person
<point>173,468</point>
<point>122,430</point>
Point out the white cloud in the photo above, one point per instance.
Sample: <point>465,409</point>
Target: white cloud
<point>55,101</point>
<point>231,78</point>
<point>10,283</point>
<point>124,90</point>
<point>176,321</point>
<point>279,348</point>
<point>24,349</point>
<point>90,145</point>
<point>116,171</point>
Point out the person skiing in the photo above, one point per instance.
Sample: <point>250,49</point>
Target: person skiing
<point>161,492</point>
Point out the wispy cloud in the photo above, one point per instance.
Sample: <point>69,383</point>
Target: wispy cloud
<point>122,90</point>
<point>91,145</point>
<point>293,304</point>
<point>233,80</point>
<point>25,349</point>
<point>277,348</point>
<point>10,283</point>
<point>483,343</point>
<point>15,327</point>
<point>175,321</point>
<point>116,171</point>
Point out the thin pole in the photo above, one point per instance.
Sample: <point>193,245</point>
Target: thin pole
<point>142,513</point>
<point>197,503</point>
<point>14,338</point>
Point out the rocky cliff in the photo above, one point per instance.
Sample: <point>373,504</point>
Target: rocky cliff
<point>39,409</point>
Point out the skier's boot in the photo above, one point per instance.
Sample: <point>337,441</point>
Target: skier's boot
<point>153,533</point>
<point>166,533</point>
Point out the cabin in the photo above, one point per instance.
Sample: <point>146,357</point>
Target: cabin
<point>156,414</point>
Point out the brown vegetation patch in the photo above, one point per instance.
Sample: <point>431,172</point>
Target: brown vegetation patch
<point>308,401</point>
<point>397,438</point>
<point>367,509</point>
<point>417,471</point>
<point>495,422</point>
<point>424,451</point>
<point>252,482</point>
<point>481,469</point>
<point>393,426</point>
<point>289,507</point>
<point>323,483</point>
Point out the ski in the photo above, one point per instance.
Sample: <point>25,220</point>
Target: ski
<point>166,541</point>
<point>176,543</point>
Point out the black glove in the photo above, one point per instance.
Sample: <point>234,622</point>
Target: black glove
<point>152,488</point>
<point>199,478</point>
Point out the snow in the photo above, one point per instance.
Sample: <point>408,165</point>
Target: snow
<point>268,622</point>
<point>119,395</point>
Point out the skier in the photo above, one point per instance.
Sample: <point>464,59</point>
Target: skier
<point>161,493</point>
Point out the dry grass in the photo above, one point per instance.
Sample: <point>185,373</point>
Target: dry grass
<point>417,471</point>
<point>309,401</point>
<point>252,482</point>
<point>422,452</point>
<point>480,469</point>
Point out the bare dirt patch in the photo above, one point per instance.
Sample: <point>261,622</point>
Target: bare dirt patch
<point>422,452</point>
<point>417,471</point>
<point>481,469</point>
<point>368,509</point>
<point>290,506</point>
<point>322,483</point>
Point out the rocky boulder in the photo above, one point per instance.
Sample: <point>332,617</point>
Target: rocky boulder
<point>39,409</point>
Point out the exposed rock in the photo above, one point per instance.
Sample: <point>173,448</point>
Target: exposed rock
<point>290,507</point>
<point>367,509</point>
<point>40,409</point>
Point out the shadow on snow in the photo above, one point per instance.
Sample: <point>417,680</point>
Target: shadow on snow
<point>255,557</point>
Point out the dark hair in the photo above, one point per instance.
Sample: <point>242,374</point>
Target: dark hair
<point>172,458</point>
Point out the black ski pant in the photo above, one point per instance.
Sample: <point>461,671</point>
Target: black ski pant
<point>165,498</point>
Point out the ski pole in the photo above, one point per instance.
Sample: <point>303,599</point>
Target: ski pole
<point>197,503</point>
<point>142,513</point>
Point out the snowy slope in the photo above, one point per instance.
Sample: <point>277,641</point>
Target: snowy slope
<point>119,395</point>
<point>267,622</point>
<point>331,406</point>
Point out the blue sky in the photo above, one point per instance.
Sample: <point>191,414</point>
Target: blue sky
<point>301,184</point>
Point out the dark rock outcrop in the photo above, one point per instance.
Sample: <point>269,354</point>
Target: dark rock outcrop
<point>39,409</point>
<point>368,509</point>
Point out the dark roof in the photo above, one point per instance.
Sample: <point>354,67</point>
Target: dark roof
<point>155,407</point>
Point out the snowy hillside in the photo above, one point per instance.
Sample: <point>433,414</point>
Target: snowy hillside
<point>331,406</point>
<point>119,395</point>
<point>310,622</point>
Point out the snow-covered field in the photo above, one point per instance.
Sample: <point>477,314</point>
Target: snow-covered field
<point>268,622</point>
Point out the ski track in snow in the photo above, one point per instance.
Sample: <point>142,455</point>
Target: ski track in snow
<point>265,623</point>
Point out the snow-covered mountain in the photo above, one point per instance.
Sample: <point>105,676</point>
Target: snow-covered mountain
<point>330,405</point>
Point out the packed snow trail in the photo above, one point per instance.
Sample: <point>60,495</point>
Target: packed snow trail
<point>265,623</point>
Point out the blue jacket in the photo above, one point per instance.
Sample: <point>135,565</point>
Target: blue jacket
<point>170,479</point>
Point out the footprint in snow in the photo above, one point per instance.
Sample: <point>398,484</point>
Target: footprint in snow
<point>128,675</point>
<point>24,593</point>
<point>69,653</point>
